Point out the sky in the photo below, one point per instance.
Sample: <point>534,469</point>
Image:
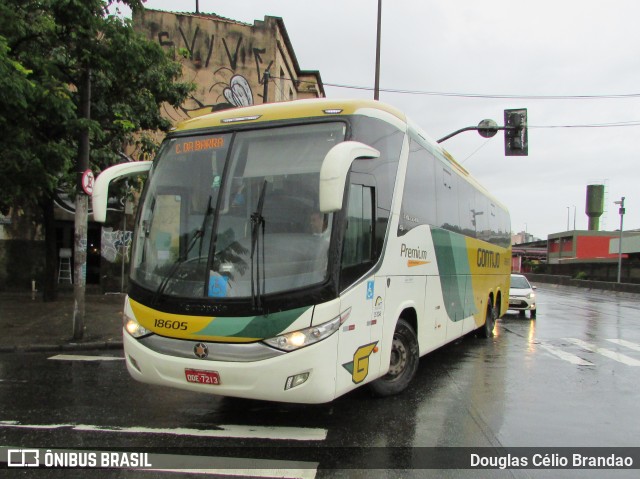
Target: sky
<point>573,64</point>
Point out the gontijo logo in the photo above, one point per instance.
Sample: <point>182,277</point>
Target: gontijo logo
<point>488,259</point>
<point>359,367</point>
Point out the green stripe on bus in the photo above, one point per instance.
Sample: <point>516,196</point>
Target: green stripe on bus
<point>252,326</point>
<point>455,273</point>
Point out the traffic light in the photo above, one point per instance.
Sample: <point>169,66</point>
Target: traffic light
<point>516,140</point>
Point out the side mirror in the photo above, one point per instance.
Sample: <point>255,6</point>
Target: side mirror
<point>101,185</point>
<point>334,171</point>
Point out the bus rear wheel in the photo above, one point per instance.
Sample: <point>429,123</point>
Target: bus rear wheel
<point>486,331</point>
<point>403,363</point>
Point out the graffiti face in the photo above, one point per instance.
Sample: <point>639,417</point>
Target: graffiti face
<point>238,93</point>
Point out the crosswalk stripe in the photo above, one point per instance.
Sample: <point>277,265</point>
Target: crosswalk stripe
<point>222,430</point>
<point>246,473</point>
<point>621,358</point>
<point>572,358</point>
<point>628,344</point>
<point>79,357</point>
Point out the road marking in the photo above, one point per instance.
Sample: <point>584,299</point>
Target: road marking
<point>79,357</point>
<point>621,358</point>
<point>268,473</point>
<point>628,344</point>
<point>227,431</point>
<point>572,358</point>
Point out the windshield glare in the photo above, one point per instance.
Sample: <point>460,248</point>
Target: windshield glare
<point>215,181</point>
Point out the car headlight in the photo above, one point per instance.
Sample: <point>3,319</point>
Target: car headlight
<point>531,295</point>
<point>133,327</point>
<point>304,337</point>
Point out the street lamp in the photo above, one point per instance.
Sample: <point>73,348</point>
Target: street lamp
<point>621,211</point>
<point>376,89</point>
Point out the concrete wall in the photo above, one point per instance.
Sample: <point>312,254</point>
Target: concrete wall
<point>580,283</point>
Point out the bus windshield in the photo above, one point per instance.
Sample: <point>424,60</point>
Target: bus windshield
<point>225,215</point>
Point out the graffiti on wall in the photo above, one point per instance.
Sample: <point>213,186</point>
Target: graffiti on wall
<point>115,244</point>
<point>220,86</point>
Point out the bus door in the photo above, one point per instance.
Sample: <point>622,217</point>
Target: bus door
<point>364,293</point>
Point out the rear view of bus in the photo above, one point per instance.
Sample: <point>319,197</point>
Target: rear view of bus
<point>265,257</point>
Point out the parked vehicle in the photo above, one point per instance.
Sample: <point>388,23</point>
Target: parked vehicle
<point>522,296</point>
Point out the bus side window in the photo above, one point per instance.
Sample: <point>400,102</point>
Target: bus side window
<point>357,248</point>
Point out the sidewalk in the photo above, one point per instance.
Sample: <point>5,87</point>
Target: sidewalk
<point>29,324</point>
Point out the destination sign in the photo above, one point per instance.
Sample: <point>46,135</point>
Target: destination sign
<point>188,146</point>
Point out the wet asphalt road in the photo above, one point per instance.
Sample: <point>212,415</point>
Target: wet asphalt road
<point>567,379</point>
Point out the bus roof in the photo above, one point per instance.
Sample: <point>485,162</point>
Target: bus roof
<point>311,108</point>
<point>316,108</point>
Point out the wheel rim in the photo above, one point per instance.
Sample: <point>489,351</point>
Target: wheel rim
<point>399,357</point>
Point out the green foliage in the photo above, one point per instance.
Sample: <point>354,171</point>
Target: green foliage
<point>580,275</point>
<point>45,47</point>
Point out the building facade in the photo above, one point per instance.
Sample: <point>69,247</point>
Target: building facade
<point>229,61</point>
<point>594,255</point>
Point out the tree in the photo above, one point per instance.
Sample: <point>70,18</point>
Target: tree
<point>36,107</point>
<point>56,49</point>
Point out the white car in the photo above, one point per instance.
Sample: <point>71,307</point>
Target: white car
<point>522,296</point>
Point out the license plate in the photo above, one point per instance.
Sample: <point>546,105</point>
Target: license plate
<point>202,377</point>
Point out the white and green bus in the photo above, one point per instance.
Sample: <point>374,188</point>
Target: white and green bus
<point>296,251</point>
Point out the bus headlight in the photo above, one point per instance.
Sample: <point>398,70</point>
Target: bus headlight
<point>133,327</point>
<point>304,337</point>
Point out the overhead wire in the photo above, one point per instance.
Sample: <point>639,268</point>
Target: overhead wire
<point>501,97</point>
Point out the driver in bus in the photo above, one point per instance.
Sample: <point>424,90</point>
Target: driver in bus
<point>318,223</point>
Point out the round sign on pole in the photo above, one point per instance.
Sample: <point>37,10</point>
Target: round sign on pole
<point>87,182</point>
<point>487,128</point>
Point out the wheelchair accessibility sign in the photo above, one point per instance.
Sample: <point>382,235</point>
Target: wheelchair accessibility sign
<point>369,289</point>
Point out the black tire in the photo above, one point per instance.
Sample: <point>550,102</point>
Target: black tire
<point>404,362</point>
<point>486,331</point>
<point>532,314</point>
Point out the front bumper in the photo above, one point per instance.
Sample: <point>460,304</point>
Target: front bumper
<point>261,379</point>
<point>522,303</point>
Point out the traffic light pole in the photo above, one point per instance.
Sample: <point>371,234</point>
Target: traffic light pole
<point>479,129</point>
<point>516,137</point>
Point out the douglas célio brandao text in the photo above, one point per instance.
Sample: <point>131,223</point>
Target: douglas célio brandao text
<point>533,461</point>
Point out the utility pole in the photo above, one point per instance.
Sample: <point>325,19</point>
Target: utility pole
<point>82,211</point>
<point>376,91</point>
<point>621,211</point>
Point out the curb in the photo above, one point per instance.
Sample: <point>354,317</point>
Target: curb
<point>37,348</point>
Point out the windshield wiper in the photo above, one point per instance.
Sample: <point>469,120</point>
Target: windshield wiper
<point>257,220</point>
<point>198,234</point>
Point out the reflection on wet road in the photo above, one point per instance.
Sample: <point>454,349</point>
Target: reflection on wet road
<point>567,378</point>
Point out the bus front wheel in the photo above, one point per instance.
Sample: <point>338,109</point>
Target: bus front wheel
<point>403,363</point>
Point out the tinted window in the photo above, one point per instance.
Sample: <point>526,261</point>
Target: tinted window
<point>418,198</point>
<point>357,248</point>
<point>387,139</point>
